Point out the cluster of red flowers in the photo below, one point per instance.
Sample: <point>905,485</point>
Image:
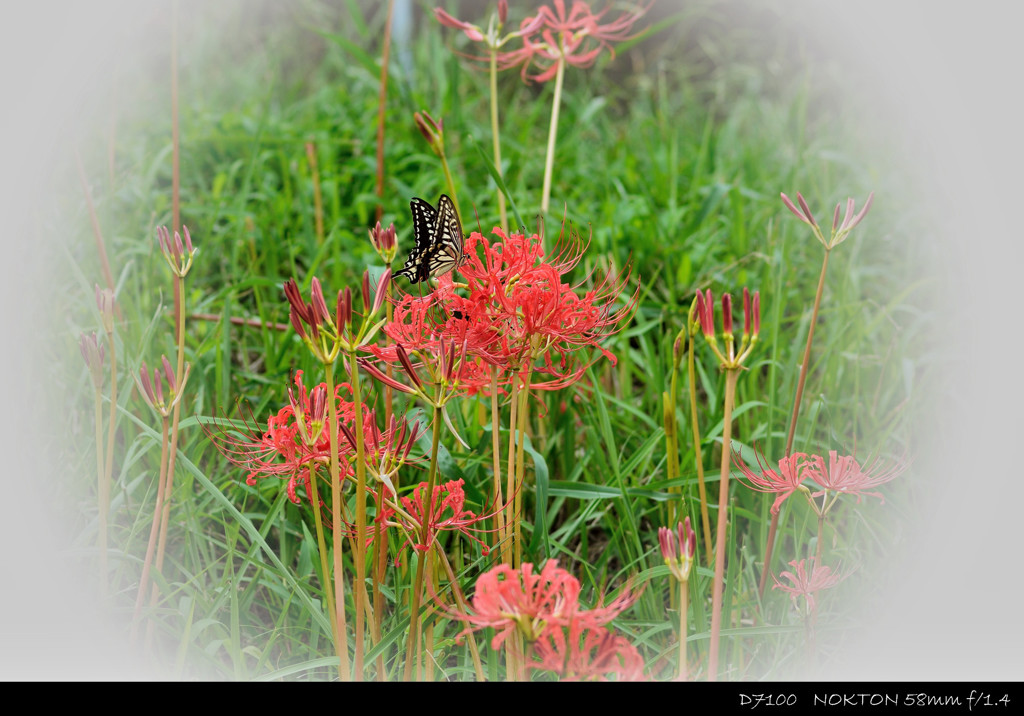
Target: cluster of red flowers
<point>517,314</point>
<point>297,443</point>
<point>544,608</point>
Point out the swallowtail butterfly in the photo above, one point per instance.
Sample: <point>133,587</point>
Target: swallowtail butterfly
<point>439,240</point>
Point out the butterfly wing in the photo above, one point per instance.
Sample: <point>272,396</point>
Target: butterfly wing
<point>425,232</point>
<point>448,251</point>
<point>439,240</point>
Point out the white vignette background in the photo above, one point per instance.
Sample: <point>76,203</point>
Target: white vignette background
<point>948,81</point>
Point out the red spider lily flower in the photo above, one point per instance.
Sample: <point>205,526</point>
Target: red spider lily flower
<point>446,513</point>
<point>582,653</point>
<point>845,476</point>
<point>785,482</point>
<point>519,599</point>
<point>678,549</point>
<point>295,444</point>
<point>576,37</point>
<point>807,582</point>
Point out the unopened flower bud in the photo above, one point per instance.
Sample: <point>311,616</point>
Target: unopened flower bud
<point>727,317</point>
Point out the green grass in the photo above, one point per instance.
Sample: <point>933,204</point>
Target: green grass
<point>673,155</point>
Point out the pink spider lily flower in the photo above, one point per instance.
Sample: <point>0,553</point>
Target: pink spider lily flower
<point>493,38</point>
<point>844,475</point>
<point>582,653</point>
<point>522,600</point>
<point>806,582</point>
<point>784,482</point>
<point>576,37</point>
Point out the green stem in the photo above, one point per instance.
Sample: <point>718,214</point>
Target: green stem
<point>821,539</point>
<point>153,530</point>
<point>165,518</point>
<point>499,522</point>
<point>503,213</point>
<point>360,549</point>
<point>683,604</point>
<point>101,494</point>
<point>325,571</point>
<point>412,653</point>
<point>731,375</point>
<point>340,645</point>
<point>451,183</point>
<point>804,366</point>
<point>524,397</point>
<point>382,108</point>
<point>549,163</point>
<point>705,519</point>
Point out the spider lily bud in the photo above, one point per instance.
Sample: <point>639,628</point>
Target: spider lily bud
<point>432,131</point>
<point>384,242</point>
<point>178,257</point>
<point>678,548</point>
<point>727,315</point>
<point>706,314</point>
<point>105,304</point>
<point>93,353</point>
<point>382,290</point>
<point>318,305</point>
<point>153,391</point>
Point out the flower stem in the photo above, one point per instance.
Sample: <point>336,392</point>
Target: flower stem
<point>451,183</point>
<point>499,522</point>
<point>502,211</point>
<point>179,284</point>
<point>360,544</point>
<point>510,477</point>
<point>108,470</point>
<point>153,530</point>
<point>804,366</point>
<point>412,654</point>
<point>549,162</point>
<point>731,375</point>
<point>340,644</point>
<point>683,604</point>
<point>325,571</point>
<point>318,202</point>
<point>705,519</point>
<point>100,494</point>
<point>524,405</point>
<point>382,107</point>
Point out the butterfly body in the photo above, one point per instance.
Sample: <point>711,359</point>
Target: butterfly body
<point>439,241</point>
